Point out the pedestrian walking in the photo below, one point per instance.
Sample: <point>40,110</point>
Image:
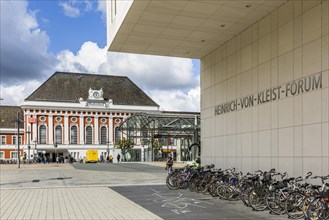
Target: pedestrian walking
<point>118,158</point>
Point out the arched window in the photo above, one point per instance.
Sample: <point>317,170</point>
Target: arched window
<point>117,134</point>
<point>58,134</point>
<point>103,135</point>
<point>74,135</point>
<point>42,134</point>
<point>89,135</point>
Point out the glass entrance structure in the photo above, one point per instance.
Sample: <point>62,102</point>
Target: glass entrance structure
<point>165,133</point>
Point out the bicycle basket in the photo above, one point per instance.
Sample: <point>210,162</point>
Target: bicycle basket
<point>234,181</point>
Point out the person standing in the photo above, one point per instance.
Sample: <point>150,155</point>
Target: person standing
<point>197,163</point>
<point>118,158</point>
<point>169,164</point>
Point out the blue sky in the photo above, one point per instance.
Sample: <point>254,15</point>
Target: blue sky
<point>70,32</point>
<point>48,36</point>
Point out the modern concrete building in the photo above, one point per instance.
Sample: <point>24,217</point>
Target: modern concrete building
<point>264,74</point>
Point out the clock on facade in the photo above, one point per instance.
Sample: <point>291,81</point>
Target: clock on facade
<point>96,94</point>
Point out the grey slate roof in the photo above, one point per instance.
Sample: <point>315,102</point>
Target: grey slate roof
<point>8,114</point>
<point>69,87</point>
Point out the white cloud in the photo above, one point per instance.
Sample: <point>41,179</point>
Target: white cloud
<point>24,46</point>
<point>102,8</point>
<point>26,63</point>
<point>176,100</point>
<point>169,81</point>
<point>88,5</point>
<point>70,10</point>
<point>74,8</point>
<point>15,94</point>
<point>153,72</point>
<point>87,59</point>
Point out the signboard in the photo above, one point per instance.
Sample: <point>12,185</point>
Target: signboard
<point>292,88</point>
<point>32,120</point>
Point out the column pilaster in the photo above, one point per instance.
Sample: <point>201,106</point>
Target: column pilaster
<point>111,139</point>
<point>34,129</point>
<point>66,129</point>
<point>96,129</point>
<point>82,129</point>
<point>50,129</point>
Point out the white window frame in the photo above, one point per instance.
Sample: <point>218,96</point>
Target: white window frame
<point>92,135</point>
<point>3,155</point>
<point>3,137</point>
<point>11,155</point>
<point>115,134</point>
<point>55,134</point>
<point>106,134</point>
<point>71,134</point>
<point>14,139</point>
<point>39,135</point>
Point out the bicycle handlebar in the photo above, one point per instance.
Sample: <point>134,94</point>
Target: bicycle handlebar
<point>308,175</point>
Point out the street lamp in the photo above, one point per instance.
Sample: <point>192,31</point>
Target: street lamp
<point>18,121</point>
<point>35,148</point>
<point>108,148</point>
<point>55,146</point>
<point>28,143</point>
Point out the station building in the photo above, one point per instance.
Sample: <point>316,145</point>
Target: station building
<point>264,74</point>
<point>8,132</point>
<point>72,113</point>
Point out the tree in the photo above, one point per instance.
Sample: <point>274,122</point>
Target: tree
<point>124,145</point>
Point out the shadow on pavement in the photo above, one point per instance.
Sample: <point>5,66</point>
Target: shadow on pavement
<point>183,204</point>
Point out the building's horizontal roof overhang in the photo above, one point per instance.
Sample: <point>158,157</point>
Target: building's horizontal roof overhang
<point>83,106</point>
<point>185,28</point>
<point>11,131</point>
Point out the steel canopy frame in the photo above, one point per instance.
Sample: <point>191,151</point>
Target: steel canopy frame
<point>146,125</point>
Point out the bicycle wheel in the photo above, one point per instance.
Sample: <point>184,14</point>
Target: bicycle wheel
<point>182,182</point>
<point>172,182</point>
<point>306,202</point>
<point>191,185</point>
<point>294,205</point>
<point>233,193</point>
<point>221,191</point>
<point>317,210</point>
<point>275,202</point>
<point>213,189</point>
<point>245,195</point>
<point>257,200</point>
<point>201,186</point>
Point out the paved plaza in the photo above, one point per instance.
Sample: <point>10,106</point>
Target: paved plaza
<point>106,191</point>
